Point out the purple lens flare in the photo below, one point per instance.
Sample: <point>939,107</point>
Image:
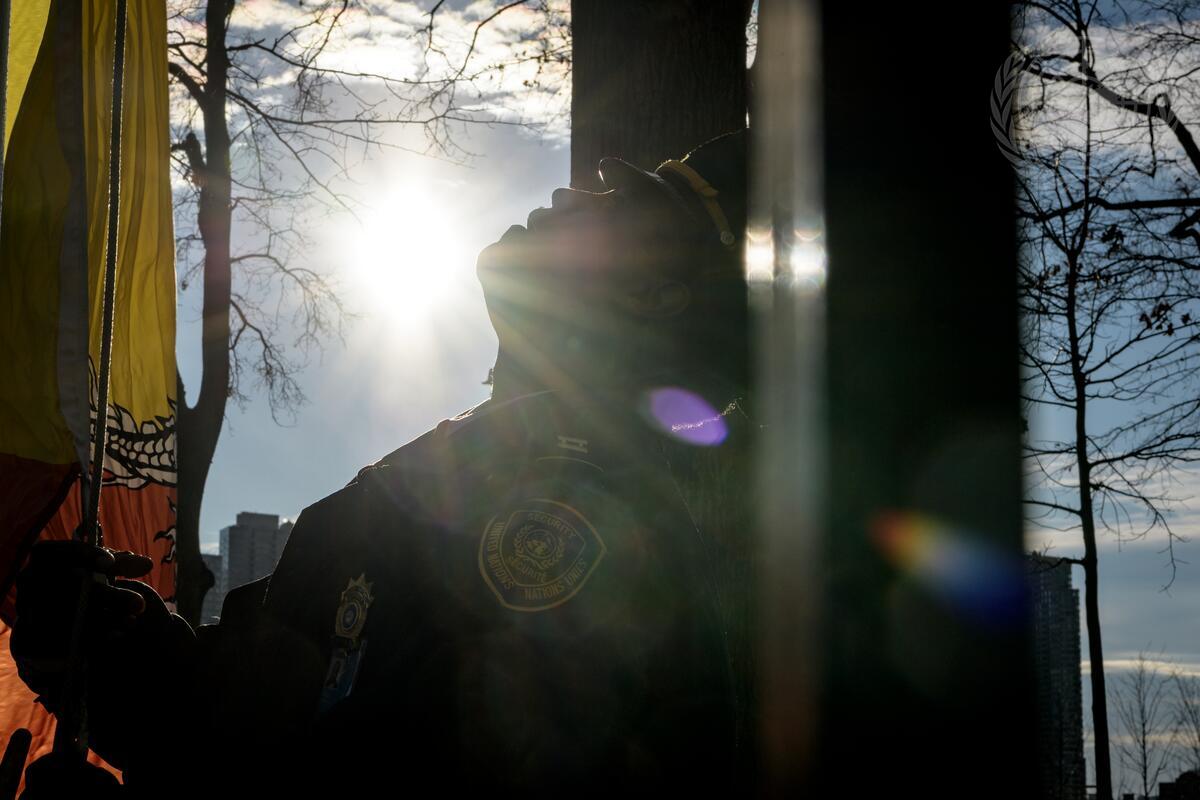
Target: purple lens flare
<point>686,416</point>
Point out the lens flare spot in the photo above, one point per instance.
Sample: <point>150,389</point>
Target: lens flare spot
<point>974,578</point>
<point>759,256</point>
<point>686,416</point>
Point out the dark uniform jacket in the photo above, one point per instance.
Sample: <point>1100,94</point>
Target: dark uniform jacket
<point>517,601</point>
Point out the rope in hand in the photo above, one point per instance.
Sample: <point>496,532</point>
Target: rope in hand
<point>70,735</point>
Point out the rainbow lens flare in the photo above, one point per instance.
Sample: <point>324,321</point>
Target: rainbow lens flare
<point>972,576</point>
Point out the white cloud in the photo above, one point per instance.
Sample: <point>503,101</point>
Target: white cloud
<point>1128,662</point>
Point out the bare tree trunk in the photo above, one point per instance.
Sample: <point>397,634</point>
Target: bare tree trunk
<point>200,424</point>
<point>651,81</point>
<point>1095,648</point>
<point>1090,561</point>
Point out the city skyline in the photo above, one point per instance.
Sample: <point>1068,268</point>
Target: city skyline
<point>248,550</point>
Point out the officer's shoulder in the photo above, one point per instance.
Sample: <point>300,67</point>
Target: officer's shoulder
<point>495,436</point>
<point>429,456</point>
<point>241,603</point>
<point>489,435</point>
<point>419,454</point>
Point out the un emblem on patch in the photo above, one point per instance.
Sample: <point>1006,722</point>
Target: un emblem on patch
<point>539,554</point>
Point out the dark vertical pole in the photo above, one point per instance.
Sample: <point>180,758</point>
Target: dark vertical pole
<point>928,676</point>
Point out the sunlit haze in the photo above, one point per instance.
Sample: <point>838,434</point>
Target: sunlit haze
<point>404,258</point>
<point>419,345</point>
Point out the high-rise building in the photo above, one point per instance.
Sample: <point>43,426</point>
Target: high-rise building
<point>1056,653</point>
<point>251,548</point>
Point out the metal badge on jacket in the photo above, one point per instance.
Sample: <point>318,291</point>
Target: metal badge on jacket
<point>348,647</point>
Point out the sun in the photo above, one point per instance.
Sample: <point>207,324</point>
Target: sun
<point>402,253</point>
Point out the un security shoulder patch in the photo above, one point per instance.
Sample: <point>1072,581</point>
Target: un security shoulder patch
<point>538,553</point>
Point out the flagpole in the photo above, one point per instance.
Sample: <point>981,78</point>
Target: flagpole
<point>70,735</point>
<point>99,426</point>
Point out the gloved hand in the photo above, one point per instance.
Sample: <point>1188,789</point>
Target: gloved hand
<point>586,291</point>
<point>48,595</point>
<point>132,643</point>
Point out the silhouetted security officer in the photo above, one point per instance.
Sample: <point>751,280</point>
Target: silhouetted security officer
<point>533,596</point>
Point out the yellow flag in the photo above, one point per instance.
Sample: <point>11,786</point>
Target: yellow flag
<point>52,251</point>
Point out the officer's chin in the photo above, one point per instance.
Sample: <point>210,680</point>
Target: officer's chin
<point>605,344</point>
<point>584,253</point>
